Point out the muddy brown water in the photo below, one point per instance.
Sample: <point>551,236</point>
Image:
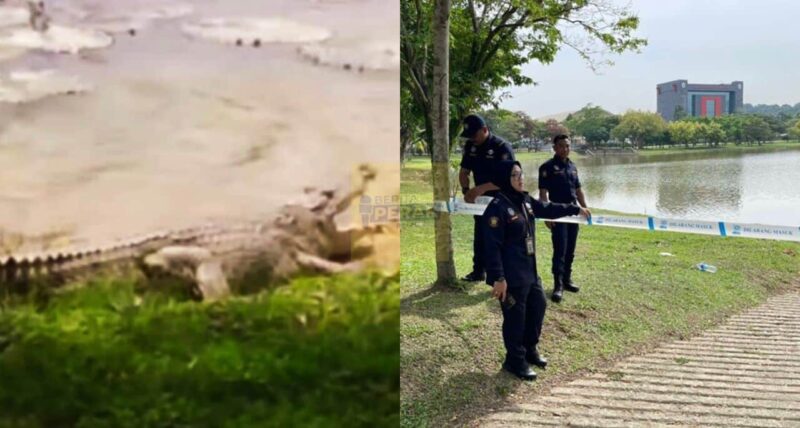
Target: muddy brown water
<point>178,131</point>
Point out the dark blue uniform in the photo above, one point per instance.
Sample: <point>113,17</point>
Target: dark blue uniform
<point>506,227</point>
<point>481,161</point>
<point>560,179</point>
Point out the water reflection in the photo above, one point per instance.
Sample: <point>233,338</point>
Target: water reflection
<point>707,189</point>
<point>752,188</point>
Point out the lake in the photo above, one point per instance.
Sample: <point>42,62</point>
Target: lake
<point>750,188</point>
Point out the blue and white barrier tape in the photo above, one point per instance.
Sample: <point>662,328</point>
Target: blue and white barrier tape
<point>718,228</point>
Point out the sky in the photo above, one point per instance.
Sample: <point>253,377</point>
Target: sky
<point>703,41</point>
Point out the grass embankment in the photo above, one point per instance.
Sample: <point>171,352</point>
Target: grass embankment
<point>316,352</point>
<point>631,298</point>
<point>768,147</point>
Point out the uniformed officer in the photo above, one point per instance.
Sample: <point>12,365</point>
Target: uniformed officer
<point>559,182</point>
<point>510,252</point>
<point>481,153</point>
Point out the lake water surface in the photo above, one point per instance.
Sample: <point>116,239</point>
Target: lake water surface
<point>751,188</point>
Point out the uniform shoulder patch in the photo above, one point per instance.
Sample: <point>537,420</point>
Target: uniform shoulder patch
<point>494,221</point>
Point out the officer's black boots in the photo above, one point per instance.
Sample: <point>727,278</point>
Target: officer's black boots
<point>569,285</point>
<point>558,288</point>
<point>525,372</point>
<point>474,277</point>
<point>533,357</point>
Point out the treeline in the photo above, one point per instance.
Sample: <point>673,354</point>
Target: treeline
<point>773,109</point>
<point>599,128</point>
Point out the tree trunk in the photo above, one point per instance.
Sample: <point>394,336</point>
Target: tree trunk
<point>405,140</point>
<point>440,118</point>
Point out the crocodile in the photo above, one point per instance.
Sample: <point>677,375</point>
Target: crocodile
<point>301,236</point>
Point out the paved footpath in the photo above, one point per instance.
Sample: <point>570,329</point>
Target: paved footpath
<point>744,373</point>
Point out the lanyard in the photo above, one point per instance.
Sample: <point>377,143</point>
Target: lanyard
<point>528,231</point>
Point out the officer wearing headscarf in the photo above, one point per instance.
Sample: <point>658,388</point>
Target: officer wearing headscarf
<point>510,252</point>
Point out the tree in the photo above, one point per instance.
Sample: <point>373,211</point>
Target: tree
<point>554,128</point>
<point>772,109</point>
<point>491,40</point>
<point>733,126</point>
<point>641,127</point>
<point>445,266</point>
<point>713,133</point>
<point>411,127</point>
<point>682,132</point>
<point>504,123</point>
<point>794,131</point>
<point>532,128</point>
<point>593,123</point>
<point>777,124</point>
<point>756,129</point>
<point>537,130</point>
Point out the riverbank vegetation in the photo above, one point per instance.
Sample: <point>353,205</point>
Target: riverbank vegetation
<point>319,351</point>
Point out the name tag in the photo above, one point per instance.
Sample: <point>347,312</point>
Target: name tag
<point>529,246</point>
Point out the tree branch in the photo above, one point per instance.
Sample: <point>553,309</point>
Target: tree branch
<point>472,16</point>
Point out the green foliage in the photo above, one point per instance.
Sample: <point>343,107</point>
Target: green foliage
<point>708,131</point>
<point>531,128</point>
<point>756,129</point>
<point>683,132</point>
<point>733,126</point>
<point>641,127</point>
<point>593,123</point>
<point>504,123</point>
<point>713,133</point>
<point>317,352</point>
<point>491,40</point>
<point>772,109</point>
<point>514,126</point>
<point>794,131</point>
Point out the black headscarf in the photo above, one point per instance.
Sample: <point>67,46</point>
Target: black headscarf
<point>501,178</point>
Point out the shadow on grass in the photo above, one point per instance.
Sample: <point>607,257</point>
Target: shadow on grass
<point>439,302</point>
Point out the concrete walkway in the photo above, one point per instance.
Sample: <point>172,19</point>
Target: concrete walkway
<point>744,373</point>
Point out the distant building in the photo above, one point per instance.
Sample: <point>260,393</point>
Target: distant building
<point>699,100</point>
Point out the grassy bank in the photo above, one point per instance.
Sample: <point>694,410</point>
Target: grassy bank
<point>773,146</point>
<point>631,298</point>
<point>317,352</point>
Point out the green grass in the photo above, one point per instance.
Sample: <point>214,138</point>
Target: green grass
<point>319,352</point>
<point>773,146</point>
<point>631,298</point>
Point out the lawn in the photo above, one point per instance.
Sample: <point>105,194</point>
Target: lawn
<point>115,352</point>
<point>631,298</point>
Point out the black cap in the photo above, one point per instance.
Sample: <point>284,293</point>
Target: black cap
<point>472,124</point>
